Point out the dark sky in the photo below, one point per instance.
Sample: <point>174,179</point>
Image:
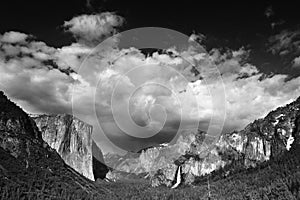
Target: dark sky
<point>226,24</point>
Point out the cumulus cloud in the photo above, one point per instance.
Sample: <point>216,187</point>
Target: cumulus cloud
<point>93,29</point>
<point>287,45</point>
<point>197,38</point>
<point>285,42</point>
<point>166,92</point>
<point>147,93</point>
<point>249,94</point>
<point>14,37</point>
<point>35,75</point>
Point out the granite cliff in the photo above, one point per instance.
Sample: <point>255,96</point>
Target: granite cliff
<point>72,139</point>
<point>263,140</point>
<point>29,167</point>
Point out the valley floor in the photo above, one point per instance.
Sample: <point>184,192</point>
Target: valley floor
<point>275,180</point>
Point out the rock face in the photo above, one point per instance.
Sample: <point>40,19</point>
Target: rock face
<point>72,139</point>
<point>260,141</point>
<point>188,156</point>
<point>266,138</point>
<point>25,157</point>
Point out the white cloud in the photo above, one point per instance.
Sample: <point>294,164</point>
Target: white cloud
<point>196,38</point>
<point>285,42</point>
<point>72,55</point>
<point>37,90</point>
<point>45,79</point>
<point>93,29</point>
<point>14,37</point>
<point>32,74</point>
<point>248,95</point>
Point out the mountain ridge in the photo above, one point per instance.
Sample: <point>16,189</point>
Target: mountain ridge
<point>260,141</point>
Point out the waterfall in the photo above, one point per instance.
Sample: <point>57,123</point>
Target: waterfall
<point>178,178</point>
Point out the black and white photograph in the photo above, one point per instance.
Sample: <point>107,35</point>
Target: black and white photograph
<point>149,100</point>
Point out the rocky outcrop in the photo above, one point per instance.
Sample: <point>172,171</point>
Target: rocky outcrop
<point>189,156</point>
<point>260,141</point>
<point>29,162</point>
<point>161,163</point>
<point>72,139</point>
<point>265,138</point>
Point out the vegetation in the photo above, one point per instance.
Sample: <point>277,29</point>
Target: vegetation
<point>278,179</point>
<point>16,182</point>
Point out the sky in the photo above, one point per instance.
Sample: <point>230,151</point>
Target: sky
<point>219,67</point>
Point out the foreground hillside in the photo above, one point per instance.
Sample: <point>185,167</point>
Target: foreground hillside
<point>29,167</point>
